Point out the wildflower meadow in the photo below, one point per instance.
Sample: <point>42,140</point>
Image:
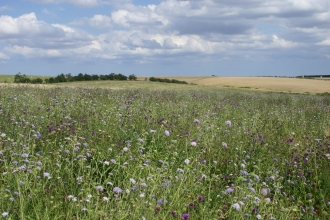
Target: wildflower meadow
<point>81,153</point>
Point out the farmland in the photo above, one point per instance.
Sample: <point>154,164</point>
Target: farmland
<point>143,150</point>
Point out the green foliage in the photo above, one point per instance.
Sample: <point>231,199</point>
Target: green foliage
<point>82,153</point>
<point>154,79</point>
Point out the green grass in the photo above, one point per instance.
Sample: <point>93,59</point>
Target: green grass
<point>65,151</point>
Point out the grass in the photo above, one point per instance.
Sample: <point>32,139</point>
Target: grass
<point>134,153</point>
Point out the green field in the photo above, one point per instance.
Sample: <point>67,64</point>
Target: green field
<point>141,150</point>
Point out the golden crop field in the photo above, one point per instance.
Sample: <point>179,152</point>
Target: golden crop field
<point>276,84</point>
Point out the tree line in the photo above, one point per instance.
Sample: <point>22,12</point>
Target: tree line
<point>22,78</point>
<point>154,79</point>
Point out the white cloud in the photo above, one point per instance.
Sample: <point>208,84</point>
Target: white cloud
<point>4,8</point>
<point>82,3</point>
<point>97,21</point>
<point>324,42</point>
<point>4,56</point>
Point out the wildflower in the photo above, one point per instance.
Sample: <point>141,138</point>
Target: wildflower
<point>140,140</point>
<point>132,181</point>
<point>264,191</point>
<point>39,135</point>
<point>117,190</point>
<point>187,161</point>
<point>105,199</point>
<point>185,216</point>
<point>228,123</point>
<point>125,149</point>
<point>229,190</point>
<point>196,121</point>
<point>256,177</point>
<point>11,199</point>
<point>152,131</point>
<point>167,183</point>
<point>252,189</point>
<point>109,183</point>
<point>200,198</point>
<point>160,202</point>
<point>47,175</point>
<point>167,133</point>
<point>24,155</point>
<point>113,161</point>
<point>193,143</point>
<point>84,209</point>
<point>106,163</point>
<point>224,144</point>
<point>173,213</point>
<point>180,170</point>
<point>143,184</point>
<point>258,216</point>
<point>4,214</point>
<point>142,195</point>
<point>236,206</point>
<point>99,188</point>
<point>267,200</point>
<point>243,172</point>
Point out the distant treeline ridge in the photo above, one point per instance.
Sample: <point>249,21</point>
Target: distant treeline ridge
<point>154,79</point>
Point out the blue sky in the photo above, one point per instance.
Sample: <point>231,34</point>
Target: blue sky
<point>165,37</point>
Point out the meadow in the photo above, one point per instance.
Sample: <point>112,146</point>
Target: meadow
<point>134,152</point>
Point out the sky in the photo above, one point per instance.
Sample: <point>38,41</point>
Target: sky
<point>165,37</point>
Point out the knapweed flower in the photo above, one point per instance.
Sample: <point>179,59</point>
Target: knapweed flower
<point>167,133</point>
<point>200,198</point>
<point>228,123</point>
<point>117,190</point>
<point>185,216</point>
<point>236,206</point>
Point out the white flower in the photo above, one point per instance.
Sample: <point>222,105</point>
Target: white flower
<point>106,163</point>
<point>47,175</point>
<point>132,181</point>
<point>125,149</point>
<point>105,199</point>
<point>187,161</point>
<point>4,214</point>
<point>142,195</point>
<point>193,143</point>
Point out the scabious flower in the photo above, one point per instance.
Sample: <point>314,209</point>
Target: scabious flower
<point>99,188</point>
<point>4,214</point>
<point>117,190</point>
<point>224,144</point>
<point>196,121</point>
<point>236,206</point>
<point>47,175</point>
<point>187,161</point>
<point>167,133</point>
<point>193,143</point>
<point>132,181</point>
<point>229,190</point>
<point>264,191</point>
<point>228,123</point>
<point>160,202</point>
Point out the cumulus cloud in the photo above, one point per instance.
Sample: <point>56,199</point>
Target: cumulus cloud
<point>97,21</point>
<point>82,3</point>
<point>211,29</point>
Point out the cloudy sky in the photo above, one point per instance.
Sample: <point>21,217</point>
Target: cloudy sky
<point>165,37</point>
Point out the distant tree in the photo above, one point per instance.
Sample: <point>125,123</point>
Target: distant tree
<point>19,78</point>
<point>69,77</point>
<point>37,81</point>
<point>132,77</point>
<point>87,77</point>
<point>95,77</point>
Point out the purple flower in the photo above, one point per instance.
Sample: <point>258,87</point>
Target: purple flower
<point>224,144</point>
<point>264,191</point>
<point>236,206</point>
<point>196,121</point>
<point>117,190</point>
<point>99,188</point>
<point>229,190</point>
<point>185,216</point>
<point>160,202</point>
<point>228,123</point>
<point>167,133</point>
<point>173,213</point>
<point>200,198</point>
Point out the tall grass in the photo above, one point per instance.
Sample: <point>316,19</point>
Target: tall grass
<point>77,153</point>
